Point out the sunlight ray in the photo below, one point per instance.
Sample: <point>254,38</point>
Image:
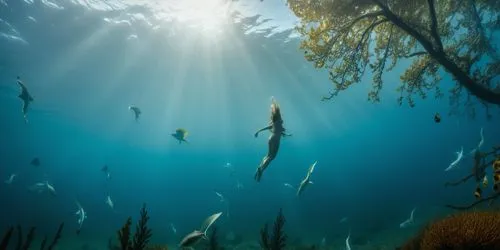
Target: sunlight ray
<point>70,60</point>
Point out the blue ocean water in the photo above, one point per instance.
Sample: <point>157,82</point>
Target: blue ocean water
<point>86,62</point>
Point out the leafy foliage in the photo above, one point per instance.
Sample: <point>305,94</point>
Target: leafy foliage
<point>142,233</point>
<point>276,241</point>
<point>348,36</point>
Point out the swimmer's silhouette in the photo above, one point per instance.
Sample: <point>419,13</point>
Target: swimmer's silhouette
<point>277,131</point>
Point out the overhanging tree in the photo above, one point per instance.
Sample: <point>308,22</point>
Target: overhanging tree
<point>347,36</point>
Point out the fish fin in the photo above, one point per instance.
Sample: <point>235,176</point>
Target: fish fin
<point>209,221</point>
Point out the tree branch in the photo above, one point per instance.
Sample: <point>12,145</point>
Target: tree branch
<point>434,25</point>
<point>490,198</point>
<point>460,76</point>
<point>419,53</point>
<point>365,36</point>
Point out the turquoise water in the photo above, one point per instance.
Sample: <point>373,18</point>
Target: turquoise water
<point>86,62</point>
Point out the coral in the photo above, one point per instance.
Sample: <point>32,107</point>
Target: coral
<point>213,242</point>
<point>469,230</point>
<point>277,241</point>
<point>25,245</point>
<point>141,236</point>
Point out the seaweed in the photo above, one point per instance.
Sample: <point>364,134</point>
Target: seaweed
<point>19,237</point>
<point>29,238</point>
<point>124,235</point>
<point>6,238</point>
<point>142,233</point>
<point>213,241</point>
<point>264,237</point>
<point>56,237</point>
<point>25,244</point>
<point>276,241</point>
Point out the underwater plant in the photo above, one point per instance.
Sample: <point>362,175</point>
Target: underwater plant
<point>466,230</point>
<point>345,37</point>
<point>482,160</point>
<point>142,233</point>
<point>276,241</point>
<point>213,241</point>
<point>25,245</point>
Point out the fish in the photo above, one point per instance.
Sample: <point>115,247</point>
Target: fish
<point>478,192</point>
<point>11,179</point>
<point>110,202</point>
<point>455,163</point>
<point>180,134</point>
<point>136,110</point>
<point>105,169</point>
<point>221,197</point>
<point>230,167</point>
<point>81,217</point>
<point>41,187</point>
<point>173,228</point>
<point>496,175</point>
<point>409,221</point>
<point>35,162</point>
<point>347,245</point>
<point>239,186</point>
<point>306,181</point>
<point>288,185</point>
<point>25,97</point>
<point>194,237</point>
<point>481,142</point>
<point>485,181</point>
<point>437,118</point>
<point>50,188</point>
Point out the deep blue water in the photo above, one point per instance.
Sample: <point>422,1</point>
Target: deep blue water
<point>375,161</point>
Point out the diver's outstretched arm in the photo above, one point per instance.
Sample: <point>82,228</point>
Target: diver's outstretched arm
<point>260,130</point>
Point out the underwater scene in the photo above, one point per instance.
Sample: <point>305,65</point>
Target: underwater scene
<point>249,124</point>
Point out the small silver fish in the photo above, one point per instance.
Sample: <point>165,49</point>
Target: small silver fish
<point>110,202</point>
<point>306,181</point>
<point>194,237</point>
<point>11,179</point>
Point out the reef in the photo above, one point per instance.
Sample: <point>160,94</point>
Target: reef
<point>482,160</point>
<point>26,243</point>
<point>142,233</point>
<point>276,241</point>
<point>466,230</point>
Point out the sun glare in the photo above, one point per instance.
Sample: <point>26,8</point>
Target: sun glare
<point>209,15</point>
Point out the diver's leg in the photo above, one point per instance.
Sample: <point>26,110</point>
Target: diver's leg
<point>263,165</point>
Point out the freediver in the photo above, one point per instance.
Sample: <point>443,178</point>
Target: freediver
<point>25,97</point>
<point>277,131</point>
